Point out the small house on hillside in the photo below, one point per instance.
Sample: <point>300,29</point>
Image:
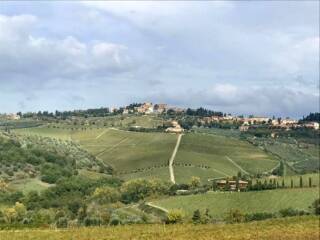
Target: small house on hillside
<point>176,128</point>
<point>231,185</point>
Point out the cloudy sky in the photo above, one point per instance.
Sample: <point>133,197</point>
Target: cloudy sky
<point>238,57</point>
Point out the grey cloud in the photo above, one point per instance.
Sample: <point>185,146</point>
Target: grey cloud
<point>245,100</point>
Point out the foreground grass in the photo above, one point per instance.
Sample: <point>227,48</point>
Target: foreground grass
<point>220,203</point>
<point>304,228</point>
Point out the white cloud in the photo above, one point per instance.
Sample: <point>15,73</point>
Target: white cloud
<point>25,57</point>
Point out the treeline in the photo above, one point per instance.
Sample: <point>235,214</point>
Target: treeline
<point>95,112</point>
<point>202,112</point>
<point>312,117</point>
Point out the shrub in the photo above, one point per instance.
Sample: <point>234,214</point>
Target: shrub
<point>258,216</point>
<point>114,220</point>
<point>235,216</point>
<point>62,222</point>
<point>175,216</point>
<point>289,212</point>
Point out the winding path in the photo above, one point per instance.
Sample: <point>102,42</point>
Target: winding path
<point>172,159</point>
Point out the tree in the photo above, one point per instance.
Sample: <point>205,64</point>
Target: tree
<point>195,182</point>
<point>310,182</point>
<point>21,210</point>
<point>291,183</point>
<point>135,190</point>
<point>106,195</point>
<point>214,185</point>
<point>301,182</point>
<point>196,217</point>
<point>207,217</point>
<point>175,216</point>
<point>316,206</point>
<point>283,185</point>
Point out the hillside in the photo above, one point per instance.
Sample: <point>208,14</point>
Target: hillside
<point>139,154</point>
<point>248,202</point>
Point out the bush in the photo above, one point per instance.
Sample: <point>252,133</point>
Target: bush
<point>114,220</point>
<point>235,216</point>
<point>62,222</point>
<point>175,216</point>
<point>258,216</point>
<point>290,212</point>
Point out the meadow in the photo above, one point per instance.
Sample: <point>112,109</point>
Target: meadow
<point>219,203</point>
<point>294,228</point>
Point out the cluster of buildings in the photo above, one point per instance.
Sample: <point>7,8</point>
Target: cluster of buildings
<point>145,108</point>
<point>247,122</point>
<point>231,185</point>
<point>11,116</point>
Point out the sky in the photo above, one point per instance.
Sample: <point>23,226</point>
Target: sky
<point>244,57</point>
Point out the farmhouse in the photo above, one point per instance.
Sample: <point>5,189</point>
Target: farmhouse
<point>160,108</point>
<point>232,184</point>
<point>13,116</point>
<point>176,128</point>
<point>314,125</point>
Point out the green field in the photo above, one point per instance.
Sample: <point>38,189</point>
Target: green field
<point>219,203</point>
<point>137,154</point>
<point>213,156</point>
<point>130,152</point>
<point>296,228</point>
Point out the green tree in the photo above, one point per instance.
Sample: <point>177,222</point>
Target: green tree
<point>207,217</point>
<point>195,182</point>
<point>20,210</point>
<point>301,182</point>
<point>291,183</point>
<point>196,217</point>
<point>283,185</point>
<point>106,195</point>
<point>310,182</point>
<point>316,206</point>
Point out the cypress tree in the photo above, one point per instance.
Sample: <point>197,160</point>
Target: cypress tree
<point>196,218</point>
<point>301,182</point>
<point>310,182</point>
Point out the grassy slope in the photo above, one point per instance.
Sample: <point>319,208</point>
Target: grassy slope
<point>30,184</point>
<point>214,150</point>
<point>248,202</point>
<point>58,133</point>
<point>128,151</point>
<point>302,228</point>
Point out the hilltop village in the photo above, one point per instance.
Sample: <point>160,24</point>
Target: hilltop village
<point>201,117</point>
